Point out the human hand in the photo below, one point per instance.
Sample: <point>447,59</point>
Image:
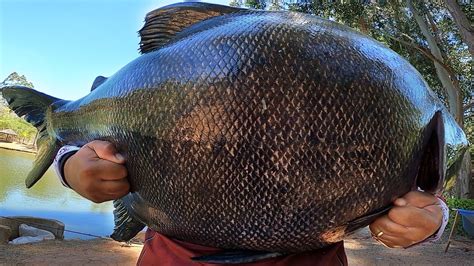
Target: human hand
<point>97,172</point>
<point>414,217</point>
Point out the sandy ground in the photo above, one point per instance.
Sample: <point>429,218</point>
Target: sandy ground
<point>16,147</point>
<point>360,248</point>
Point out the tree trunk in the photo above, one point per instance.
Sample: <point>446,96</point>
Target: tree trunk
<point>465,27</point>
<point>464,186</point>
<point>364,28</point>
<point>451,85</point>
<point>453,91</point>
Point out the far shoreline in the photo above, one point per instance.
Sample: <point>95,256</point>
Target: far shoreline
<point>14,146</point>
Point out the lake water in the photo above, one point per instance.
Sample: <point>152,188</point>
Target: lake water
<point>48,198</point>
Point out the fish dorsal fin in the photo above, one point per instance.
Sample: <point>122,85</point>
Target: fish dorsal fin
<point>97,82</point>
<point>33,106</point>
<point>162,24</point>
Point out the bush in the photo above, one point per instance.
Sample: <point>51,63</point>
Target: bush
<point>455,203</point>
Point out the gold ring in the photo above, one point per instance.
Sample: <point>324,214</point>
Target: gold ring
<point>379,234</point>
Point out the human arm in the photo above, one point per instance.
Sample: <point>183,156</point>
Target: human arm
<point>96,171</point>
<point>415,218</point>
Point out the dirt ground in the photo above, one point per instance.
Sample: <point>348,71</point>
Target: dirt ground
<point>360,248</point>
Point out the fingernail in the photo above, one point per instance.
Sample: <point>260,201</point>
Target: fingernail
<point>400,202</point>
<point>119,157</point>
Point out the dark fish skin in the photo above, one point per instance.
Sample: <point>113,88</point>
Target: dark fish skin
<point>267,131</point>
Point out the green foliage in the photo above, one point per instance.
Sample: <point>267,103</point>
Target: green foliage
<point>466,204</point>
<point>256,4</point>
<point>11,121</point>
<point>455,203</point>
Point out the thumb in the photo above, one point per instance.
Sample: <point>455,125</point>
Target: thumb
<point>106,150</point>
<point>419,199</point>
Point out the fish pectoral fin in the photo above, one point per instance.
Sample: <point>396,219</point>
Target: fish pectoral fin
<point>126,226</point>
<point>366,219</point>
<point>32,106</point>
<point>431,172</point>
<point>236,257</point>
<point>162,24</point>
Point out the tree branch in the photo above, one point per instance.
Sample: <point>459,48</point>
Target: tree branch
<point>423,50</point>
<point>468,106</point>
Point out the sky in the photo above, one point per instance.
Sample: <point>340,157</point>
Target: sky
<point>61,46</point>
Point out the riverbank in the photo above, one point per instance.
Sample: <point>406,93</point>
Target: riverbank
<point>14,146</point>
<point>360,249</point>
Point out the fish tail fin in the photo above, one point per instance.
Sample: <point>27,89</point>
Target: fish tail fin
<point>126,226</point>
<point>33,107</point>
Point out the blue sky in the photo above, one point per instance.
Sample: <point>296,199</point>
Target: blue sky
<point>61,46</point>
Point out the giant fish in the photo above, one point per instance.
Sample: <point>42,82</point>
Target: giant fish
<point>275,132</point>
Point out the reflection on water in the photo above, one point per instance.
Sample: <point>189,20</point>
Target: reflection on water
<point>48,198</point>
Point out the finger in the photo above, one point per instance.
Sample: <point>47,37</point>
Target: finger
<point>113,171</point>
<point>115,189</point>
<point>394,241</point>
<point>410,216</point>
<point>384,224</point>
<point>417,198</point>
<point>436,210</point>
<point>390,228</point>
<point>386,243</point>
<point>105,150</point>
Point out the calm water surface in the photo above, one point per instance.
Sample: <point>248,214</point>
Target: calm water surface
<point>48,198</point>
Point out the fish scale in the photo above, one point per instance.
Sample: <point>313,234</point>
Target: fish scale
<point>272,131</point>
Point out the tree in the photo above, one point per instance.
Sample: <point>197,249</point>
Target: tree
<point>9,119</point>
<point>466,28</point>
<point>449,80</point>
<point>15,79</point>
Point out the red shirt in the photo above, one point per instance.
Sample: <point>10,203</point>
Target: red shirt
<point>161,250</point>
